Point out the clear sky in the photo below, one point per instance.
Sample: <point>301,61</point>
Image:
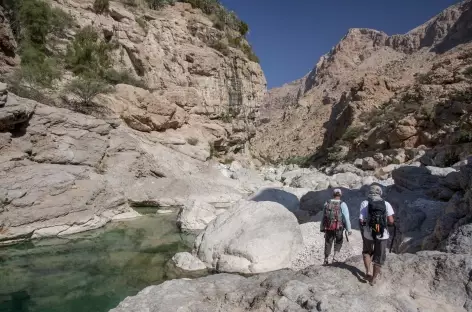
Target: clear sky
<point>290,36</point>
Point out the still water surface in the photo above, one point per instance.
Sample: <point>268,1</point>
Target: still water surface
<point>89,272</point>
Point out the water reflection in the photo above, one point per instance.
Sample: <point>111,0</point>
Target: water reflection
<point>88,272</point>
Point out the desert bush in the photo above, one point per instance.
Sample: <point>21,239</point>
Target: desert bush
<point>301,161</point>
<point>426,78</point>
<point>157,4</point>
<point>220,46</point>
<point>465,136</point>
<point>88,53</point>
<point>87,88</point>
<point>247,49</point>
<point>468,72</point>
<point>243,28</point>
<point>352,133</point>
<point>101,6</point>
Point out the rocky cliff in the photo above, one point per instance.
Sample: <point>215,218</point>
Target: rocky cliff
<point>360,75</point>
<point>69,166</point>
<point>196,77</point>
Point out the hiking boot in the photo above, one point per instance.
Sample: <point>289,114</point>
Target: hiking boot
<point>325,261</point>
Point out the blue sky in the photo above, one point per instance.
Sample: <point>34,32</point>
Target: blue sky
<point>289,36</point>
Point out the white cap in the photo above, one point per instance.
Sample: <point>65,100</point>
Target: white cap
<point>337,192</point>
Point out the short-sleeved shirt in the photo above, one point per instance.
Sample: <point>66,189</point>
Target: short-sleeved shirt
<point>363,216</point>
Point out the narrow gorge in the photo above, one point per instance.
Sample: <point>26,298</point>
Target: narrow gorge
<point>146,167</point>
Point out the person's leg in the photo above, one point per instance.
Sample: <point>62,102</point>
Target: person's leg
<point>380,254</point>
<point>367,251</point>
<point>329,239</point>
<point>338,244</point>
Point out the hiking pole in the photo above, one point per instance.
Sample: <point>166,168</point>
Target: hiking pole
<point>393,238</point>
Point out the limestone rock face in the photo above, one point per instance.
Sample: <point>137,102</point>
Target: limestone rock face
<point>63,172</point>
<point>373,92</point>
<point>189,82</point>
<point>251,237</point>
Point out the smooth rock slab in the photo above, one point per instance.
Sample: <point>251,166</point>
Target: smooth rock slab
<point>428,281</point>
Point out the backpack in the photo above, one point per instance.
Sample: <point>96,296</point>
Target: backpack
<point>377,216</point>
<point>333,215</point>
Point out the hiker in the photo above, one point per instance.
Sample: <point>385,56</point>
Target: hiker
<point>335,219</point>
<point>375,215</point>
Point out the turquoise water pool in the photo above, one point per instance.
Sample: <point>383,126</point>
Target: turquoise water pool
<point>89,272</point>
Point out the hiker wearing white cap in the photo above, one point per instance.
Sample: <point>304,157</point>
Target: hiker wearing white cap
<point>375,215</point>
<point>335,219</point>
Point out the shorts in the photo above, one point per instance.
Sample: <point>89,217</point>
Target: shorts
<point>377,249</point>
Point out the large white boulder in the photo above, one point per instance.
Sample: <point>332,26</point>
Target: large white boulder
<point>251,237</point>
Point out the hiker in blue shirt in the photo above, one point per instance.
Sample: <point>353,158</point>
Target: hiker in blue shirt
<point>335,219</point>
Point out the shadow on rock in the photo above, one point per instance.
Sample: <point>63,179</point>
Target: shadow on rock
<point>286,199</point>
<point>355,271</point>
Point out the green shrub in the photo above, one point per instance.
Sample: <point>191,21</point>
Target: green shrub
<point>23,82</point>
<point>301,161</point>
<point>235,42</point>
<point>35,21</point>
<point>425,78</point>
<point>88,53</point>
<point>60,22</point>
<point>465,136</point>
<point>158,4</point>
<point>247,49</point>
<point>101,6</point>
<point>220,46</point>
<point>243,28</point>
<point>87,88</point>
<point>468,72</point>
<point>352,133</point>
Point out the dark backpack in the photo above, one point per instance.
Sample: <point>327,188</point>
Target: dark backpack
<point>333,219</point>
<point>377,216</point>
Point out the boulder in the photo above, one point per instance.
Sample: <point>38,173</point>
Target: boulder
<point>15,111</point>
<point>343,168</point>
<point>251,237</point>
<point>369,163</point>
<point>313,180</point>
<point>440,172</point>
<point>460,241</point>
<point>414,178</point>
<point>187,262</point>
<point>348,180</point>
<point>195,216</point>
<point>358,163</point>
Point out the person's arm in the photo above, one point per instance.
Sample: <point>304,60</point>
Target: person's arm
<point>346,217</point>
<point>363,213</point>
<point>390,213</point>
